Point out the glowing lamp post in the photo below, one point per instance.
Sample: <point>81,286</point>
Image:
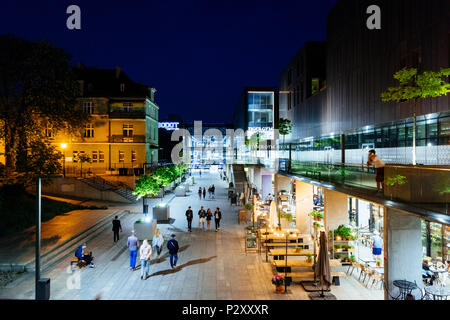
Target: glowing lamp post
<point>63,147</point>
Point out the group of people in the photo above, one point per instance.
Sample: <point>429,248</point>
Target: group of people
<point>202,192</point>
<point>204,215</point>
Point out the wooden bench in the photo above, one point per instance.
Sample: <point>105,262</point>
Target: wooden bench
<point>309,275</point>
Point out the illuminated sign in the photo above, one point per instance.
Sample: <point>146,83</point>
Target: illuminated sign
<point>265,132</point>
<point>170,126</point>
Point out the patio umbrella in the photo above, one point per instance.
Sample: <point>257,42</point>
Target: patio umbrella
<point>322,270</point>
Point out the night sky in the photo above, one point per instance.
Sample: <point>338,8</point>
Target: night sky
<point>199,54</point>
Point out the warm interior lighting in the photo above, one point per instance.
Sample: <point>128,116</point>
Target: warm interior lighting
<point>63,145</point>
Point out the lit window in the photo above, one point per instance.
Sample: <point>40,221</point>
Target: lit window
<point>88,107</point>
<point>101,157</point>
<point>94,156</point>
<point>127,106</point>
<point>89,131</point>
<point>49,131</point>
<point>315,83</point>
<point>75,156</point>
<point>127,130</point>
<point>121,156</point>
<point>133,156</point>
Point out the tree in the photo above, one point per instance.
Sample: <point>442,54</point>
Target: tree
<point>82,158</point>
<point>414,86</point>
<point>37,87</point>
<point>284,127</point>
<point>146,186</point>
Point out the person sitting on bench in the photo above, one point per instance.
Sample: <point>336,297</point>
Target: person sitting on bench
<point>83,257</point>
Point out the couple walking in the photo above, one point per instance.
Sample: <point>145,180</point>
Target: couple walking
<point>202,214</point>
<point>145,251</point>
<point>201,192</point>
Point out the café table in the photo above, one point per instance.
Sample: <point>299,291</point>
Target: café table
<point>438,292</point>
<point>439,273</point>
<point>405,287</point>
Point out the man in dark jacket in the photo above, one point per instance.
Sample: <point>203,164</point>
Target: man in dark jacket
<point>116,227</point>
<point>189,217</point>
<point>217,218</point>
<point>172,246</point>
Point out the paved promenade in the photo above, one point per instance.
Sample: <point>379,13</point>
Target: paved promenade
<point>212,265</point>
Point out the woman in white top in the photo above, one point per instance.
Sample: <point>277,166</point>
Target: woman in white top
<point>158,241</point>
<point>145,254</point>
<point>379,166</point>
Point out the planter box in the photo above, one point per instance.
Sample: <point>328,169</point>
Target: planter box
<point>145,230</point>
<point>180,192</point>
<point>161,213</point>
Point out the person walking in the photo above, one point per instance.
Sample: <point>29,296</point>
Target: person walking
<point>201,215</point>
<point>200,193</point>
<point>189,217</point>
<point>116,227</point>
<point>379,167</point>
<point>217,218</point>
<point>213,189</point>
<point>208,218</point>
<point>204,193</point>
<point>145,255</point>
<point>172,245</point>
<point>376,245</point>
<point>209,192</point>
<point>133,246</point>
<point>157,242</point>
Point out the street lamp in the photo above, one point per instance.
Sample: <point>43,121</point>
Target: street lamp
<point>63,147</point>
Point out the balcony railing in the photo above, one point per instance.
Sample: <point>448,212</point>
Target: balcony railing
<point>121,114</point>
<point>427,187</point>
<point>125,139</point>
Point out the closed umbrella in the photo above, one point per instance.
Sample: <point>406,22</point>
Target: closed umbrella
<point>322,271</point>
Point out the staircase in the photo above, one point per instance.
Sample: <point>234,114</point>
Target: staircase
<point>101,184</point>
<point>239,178</point>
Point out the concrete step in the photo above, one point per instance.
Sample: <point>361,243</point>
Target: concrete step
<point>55,255</point>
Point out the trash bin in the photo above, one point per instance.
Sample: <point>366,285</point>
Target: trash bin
<point>43,289</point>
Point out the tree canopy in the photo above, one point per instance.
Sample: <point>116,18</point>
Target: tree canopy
<point>37,90</point>
<point>413,85</point>
<point>284,126</point>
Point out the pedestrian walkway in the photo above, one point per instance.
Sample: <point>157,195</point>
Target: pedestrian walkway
<point>211,265</point>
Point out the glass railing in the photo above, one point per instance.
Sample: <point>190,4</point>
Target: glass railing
<point>427,187</point>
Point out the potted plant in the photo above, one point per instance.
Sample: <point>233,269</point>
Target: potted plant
<point>278,281</point>
<point>298,249</point>
<point>309,258</point>
<point>350,248</point>
<point>337,248</point>
<point>352,258</point>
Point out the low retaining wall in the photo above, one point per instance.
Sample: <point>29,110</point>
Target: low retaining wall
<point>74,188</point>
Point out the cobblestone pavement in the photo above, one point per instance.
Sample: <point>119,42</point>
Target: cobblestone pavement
<point>212,265</point>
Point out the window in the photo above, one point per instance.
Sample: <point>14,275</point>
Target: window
<point>88,107</point>
<point>127,106</point>
<point>94,156</point>
<point>315,84</point>
<point>121,156</point>
<point>75,156</point>
<point>122,87</point>
<point>133,156</point>
<point>127,130</point>
<point>289,100</point>
<point>49,131</point>
<point>89,131</point>
<point>101,157</point>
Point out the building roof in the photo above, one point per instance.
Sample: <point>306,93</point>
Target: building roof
<point>107,83</point>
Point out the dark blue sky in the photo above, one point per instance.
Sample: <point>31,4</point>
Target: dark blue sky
<point>199,54</point>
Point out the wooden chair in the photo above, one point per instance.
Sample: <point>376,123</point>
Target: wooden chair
<point>365,272</point>
<point>352,266</point>
<point>376,278</point>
